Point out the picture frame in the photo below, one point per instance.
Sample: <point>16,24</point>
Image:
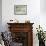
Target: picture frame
<point>20,9</point>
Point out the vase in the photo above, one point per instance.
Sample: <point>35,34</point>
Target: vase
<point>41,43</point>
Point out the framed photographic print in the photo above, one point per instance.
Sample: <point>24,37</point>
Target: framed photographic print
<point>20,9</point>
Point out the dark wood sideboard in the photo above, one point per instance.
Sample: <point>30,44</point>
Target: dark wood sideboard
<point>22,33</point>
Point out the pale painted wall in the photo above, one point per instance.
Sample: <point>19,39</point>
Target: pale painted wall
<point>0,15</point>
<point>34,14</point>
<point>33,11</point>
<point>43,14</point>
<point>43,6</point>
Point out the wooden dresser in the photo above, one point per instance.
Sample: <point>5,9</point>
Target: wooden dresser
<point>22,33</point>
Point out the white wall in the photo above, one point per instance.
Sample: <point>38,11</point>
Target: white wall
<point>0,15</point>
<point>33,10</point>
<point>43,14</point>
<point>33,14</point>
<point>43,6</point>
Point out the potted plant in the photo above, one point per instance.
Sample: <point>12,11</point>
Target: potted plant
<point>41,36</point>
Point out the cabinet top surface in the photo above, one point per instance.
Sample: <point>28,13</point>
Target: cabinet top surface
<point>19,23</point>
